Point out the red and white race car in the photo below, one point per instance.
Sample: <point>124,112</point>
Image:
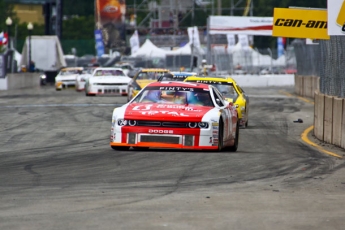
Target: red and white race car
<point>176,115</point>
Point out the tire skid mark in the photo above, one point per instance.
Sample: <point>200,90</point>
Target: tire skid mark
<point>36,181</point>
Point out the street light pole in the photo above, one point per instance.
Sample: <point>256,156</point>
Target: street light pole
<point>30,28</point>
<point>9,24</point>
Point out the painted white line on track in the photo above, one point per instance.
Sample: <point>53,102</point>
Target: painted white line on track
<point>59,105</point>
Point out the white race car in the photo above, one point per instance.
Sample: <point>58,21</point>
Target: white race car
<point>67,77</point>
<point>107,81</point>
<point>82,78</point>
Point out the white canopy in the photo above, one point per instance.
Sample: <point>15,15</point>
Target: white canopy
<point>186,50</point>
<point>148,49</point>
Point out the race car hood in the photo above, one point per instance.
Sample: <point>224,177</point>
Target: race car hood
<point>169,112</point>
<point>143,83</point>
<point>66,78</point>
<point>109,79</point>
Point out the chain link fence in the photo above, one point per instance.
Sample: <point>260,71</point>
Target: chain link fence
<point>325,60</point>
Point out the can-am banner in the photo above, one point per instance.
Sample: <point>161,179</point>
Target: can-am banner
<point>300,23</point>
<point>110,19</point>
<point>241,25</point>
<point>336,17</point>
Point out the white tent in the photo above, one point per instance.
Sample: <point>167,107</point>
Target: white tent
<point>186,50</point>
<point>148,49</point>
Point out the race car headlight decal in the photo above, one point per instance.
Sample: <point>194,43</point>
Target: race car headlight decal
<point>121,122</point>
<point>132,122</point>
<point>203,125</point>
<point>192,124</point>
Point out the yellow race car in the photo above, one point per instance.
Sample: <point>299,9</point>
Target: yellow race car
<point>142,79</point>
<point>231,91</point>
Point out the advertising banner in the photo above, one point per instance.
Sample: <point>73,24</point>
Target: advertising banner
<point>241,25</point>
<point>300,23</point>
<point>231,40</point>
<point>99,43</point>
<point>280,47</point>
<point>336,17</point>
<point>110,19</point>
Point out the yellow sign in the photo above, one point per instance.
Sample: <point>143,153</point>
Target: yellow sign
<point>300,23</point>
<point>341,16</point>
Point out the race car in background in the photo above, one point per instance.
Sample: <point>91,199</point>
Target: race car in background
<point>176,76</point>
<point>82,78</point>
<point>66,77</point>
<point>231,92</point>
<point>110,81</point>
<point>176,115</point>
<point>125,66</point>
<point>142,79</point>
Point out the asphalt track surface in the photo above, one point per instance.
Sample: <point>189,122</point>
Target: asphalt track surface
<point>57,171</point>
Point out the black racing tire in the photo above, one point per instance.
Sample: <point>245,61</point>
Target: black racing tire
<point>220,135</point>
<point>246,124</point>
<point>237,136</point>
<point>120,148</point>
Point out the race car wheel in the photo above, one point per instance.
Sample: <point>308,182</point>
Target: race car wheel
<point>237,135</point>
<point>220,135</point>
<point>120,148</point>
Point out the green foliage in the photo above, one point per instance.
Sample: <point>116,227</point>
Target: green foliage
<point>79,28</point>
<point>79,7</point>
<point>6,10</point>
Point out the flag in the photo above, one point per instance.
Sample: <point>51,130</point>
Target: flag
<point>99,43</point>
<point>193,34</point>
<point>134,41</point>
<point>3,38</point>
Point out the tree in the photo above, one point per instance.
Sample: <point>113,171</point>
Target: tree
<point>6,10</point>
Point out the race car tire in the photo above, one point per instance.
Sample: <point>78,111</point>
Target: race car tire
<point>237,136</point>
<point>220,135</point>
<point>120,148</point>
<point>58,89</point>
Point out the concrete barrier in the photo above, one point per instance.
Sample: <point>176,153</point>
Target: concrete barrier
<point>337,121</point>
<point>264,80</point>
<point>319,110</point>
<point>306,85</point>
<point>328,119</point>
<point>20,81</point>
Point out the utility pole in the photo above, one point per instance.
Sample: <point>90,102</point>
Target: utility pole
<point>219,7</point>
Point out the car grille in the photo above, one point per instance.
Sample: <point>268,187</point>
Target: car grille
<point>160,139</point>
<point>163,124</point>
<point>110,84</point>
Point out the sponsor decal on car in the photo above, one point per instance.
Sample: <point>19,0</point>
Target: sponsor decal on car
<point>215,124</point>
<point>160,131</point>
<point>173,113</point>
<point>215,127</point>
<point>176,88</point>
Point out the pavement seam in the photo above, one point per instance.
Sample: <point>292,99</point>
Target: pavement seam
<point>305,133</point>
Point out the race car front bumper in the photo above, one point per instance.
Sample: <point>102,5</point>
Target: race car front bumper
<point>108,89</point>
<point>64,84</point>
<point>179,138</point>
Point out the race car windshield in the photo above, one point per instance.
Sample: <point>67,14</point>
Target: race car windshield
<point>150,75</point>
<point>227,90</point>
<point>105,73</point>
<point>69,72</point>
<point>173,95</point>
